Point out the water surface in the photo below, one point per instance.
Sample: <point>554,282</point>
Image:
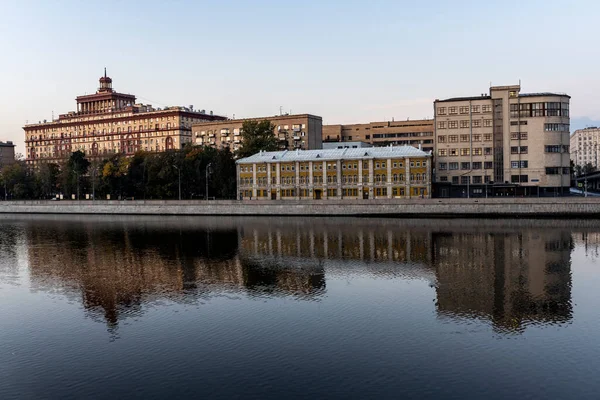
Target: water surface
<point>170,307</point>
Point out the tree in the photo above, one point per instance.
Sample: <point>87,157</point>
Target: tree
<point>16,180</point>
<point>77,166</point>
<point>46,179</point>
<point>257,136</point>
<point>588,168</point>
<point>114,173</point>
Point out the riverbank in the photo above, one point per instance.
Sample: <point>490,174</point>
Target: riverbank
<point>561,207</point>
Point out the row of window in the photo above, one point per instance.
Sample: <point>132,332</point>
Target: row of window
<point>465,151</point>
<point>319,166</point>
<point>557,127</point>
<point>558,170</point>
<point>477,137</point>
<point>465,180</point>
<point>556,149</point>
<point>486,108</point>
<point>548,109</point>
<point>290,180</point>
<point>477,123</point>
<point>465,166</point>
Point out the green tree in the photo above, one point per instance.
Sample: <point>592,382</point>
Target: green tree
<point>114,173</point>
<point>17,181</point>
<point>257,136</point>
<point>76,167</point>
<point>46,180</point>
<point>588,169</point>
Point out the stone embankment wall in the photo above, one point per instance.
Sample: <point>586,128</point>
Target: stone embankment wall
<point>420,208</point>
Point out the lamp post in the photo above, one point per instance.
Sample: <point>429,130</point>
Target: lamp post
<point>179,173</point>
<point>207,172</point>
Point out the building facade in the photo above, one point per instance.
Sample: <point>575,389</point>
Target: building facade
<point>7,153</point>
<point>301,131</point>
<point>371,173</point>
<point>506,143</point>
<point>584,147</point>
<point>109,122</point>
<point>417,133</point>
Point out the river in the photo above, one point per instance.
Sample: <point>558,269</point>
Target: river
<point>201,307</point>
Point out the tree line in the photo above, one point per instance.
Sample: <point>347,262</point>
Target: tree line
<point>141,176</point>
<point>144,175</point>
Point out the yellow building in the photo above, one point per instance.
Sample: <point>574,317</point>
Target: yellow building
<point>362,173</point>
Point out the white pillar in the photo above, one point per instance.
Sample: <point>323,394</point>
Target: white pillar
<point>325,186</point>
<point>389,178</point>
<point>254,196</point>
<point>370,183</point>
<point>407,178</point>
<point>278,180</point>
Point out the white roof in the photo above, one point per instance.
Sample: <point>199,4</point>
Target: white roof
<point>334,154</point>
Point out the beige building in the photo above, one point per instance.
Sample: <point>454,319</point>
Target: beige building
<point>584,146</point>
<point>302,131</point>
<point>502,144</point>
<point>7,153</point>
<point>371,173</point>
<point>109,122</point>
<point>417,133</point>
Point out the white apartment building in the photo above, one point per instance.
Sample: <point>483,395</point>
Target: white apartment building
<point>584,146</point>
<point>506,143</point>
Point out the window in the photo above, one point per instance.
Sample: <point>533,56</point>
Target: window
<point>464,110</point>
<point>487,122</point>
<point>486,108</point>
<point>443,179</point>
<point>477,179</point>
<point>442,110</point>
<point>553,170</point>
<point>476,123</point>
<point>453,166</point>
<point>487,137</point>
<point>465,166</point>
<point>519,164</point>
<point>477,138</point>
<point>465,151</point>
<point>453,138</point>
<point>442,152</point>
<point>442,139</point>
<point>464,180</point>
<point>475,109</point>
<point>464,138</point>
<point>487,151</point>
<point>442,125</point>
<point>443,166</point>
<point>464,123</point>
<point>455,180</point>
<point>514,150</point>
<point>566,170</point>
<point>453,124</point>
<point>524,149</point>
<point>477,151</point>
<point>557,127</point>
<point>452,110</point>
<point>453,152</point>
<point>477,165</point>
<point>488,165</point>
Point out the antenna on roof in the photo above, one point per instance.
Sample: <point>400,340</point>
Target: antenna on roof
<point>105,72</point>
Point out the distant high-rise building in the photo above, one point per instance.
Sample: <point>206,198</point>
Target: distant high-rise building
<point>109,122</point>
<point>584,147</point>
<point>7,153</point>
<point>504,143</point>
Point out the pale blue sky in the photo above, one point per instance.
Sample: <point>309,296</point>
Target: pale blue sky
<point>348,61</point>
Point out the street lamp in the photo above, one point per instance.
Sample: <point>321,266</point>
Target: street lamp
<point>207,172</point>
<point>179,173</point>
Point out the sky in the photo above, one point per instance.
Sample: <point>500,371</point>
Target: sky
<point>347,61</point>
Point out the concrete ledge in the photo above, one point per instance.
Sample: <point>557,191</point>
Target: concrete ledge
<point>562,207</point>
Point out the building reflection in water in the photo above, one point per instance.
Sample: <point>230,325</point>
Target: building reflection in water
<point>512,274</point>
<point>511,278</point>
